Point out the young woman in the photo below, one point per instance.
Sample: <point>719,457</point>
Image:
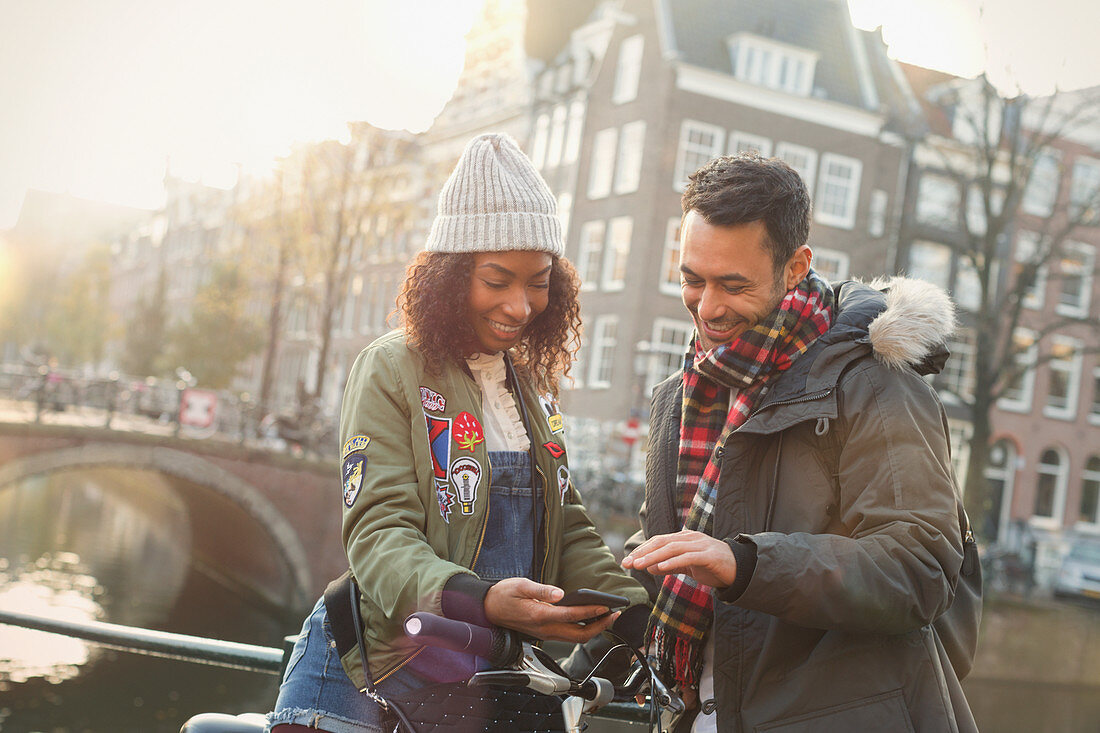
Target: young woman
<point>456,491</point>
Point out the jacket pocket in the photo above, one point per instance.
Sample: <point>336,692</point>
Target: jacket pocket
<point>883,712</point>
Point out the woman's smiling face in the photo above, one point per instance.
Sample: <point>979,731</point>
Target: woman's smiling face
<point>508,290</point>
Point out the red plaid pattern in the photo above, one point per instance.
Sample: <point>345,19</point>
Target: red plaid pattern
<point>684,609</point>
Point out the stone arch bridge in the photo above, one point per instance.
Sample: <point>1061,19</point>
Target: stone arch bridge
<point>234,496</point>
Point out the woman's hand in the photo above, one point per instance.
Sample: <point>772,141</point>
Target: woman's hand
<point>526,606</point>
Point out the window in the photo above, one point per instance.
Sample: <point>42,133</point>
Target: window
<point>938,201</point>
<point>1065,378</point>
<point>1084,192</point>
<point>743,142</point>
<point>803,160</point>
<point>602,351</point>
<point>876,216</point>
<point>699,142</point>
<point>1000,472</point>
<point>838,190</point>
<point>1042,187</point>
<point>968,285</point>
<point>538,147</point>
<point>667,349</point>
<point>565,209</point>
<point>976,220</point>
<point>573,134</point>
<point>958,438</point>
<point>765,62</point>
<point>1016,397</point>
<point>930,261</point>
<point>590,254</point>
<point>557,137</point>
<point>670,261</point>
<point>1076,265</point>
<point>958,373</point>
<point>628,171</point>
<point>602,165</point>
<point>1028,258</point>
<point>831,264</point>
<point>1090,492</point>
<point>618,252</point>
<point>1094,411</point>
<point>1050,489</point>
<point>629,70</point>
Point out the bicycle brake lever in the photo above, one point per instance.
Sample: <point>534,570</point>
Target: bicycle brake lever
<point>500,677</point>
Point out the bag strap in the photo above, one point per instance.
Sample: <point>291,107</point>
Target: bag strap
<point>346,622</point>
<point>339,615</point>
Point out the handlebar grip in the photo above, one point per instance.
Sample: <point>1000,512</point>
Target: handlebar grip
<point>495,645</point>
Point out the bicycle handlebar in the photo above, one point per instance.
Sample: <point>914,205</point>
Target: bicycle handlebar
<point>498,646</point>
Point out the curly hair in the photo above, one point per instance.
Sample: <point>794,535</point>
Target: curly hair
<point>435,314</point>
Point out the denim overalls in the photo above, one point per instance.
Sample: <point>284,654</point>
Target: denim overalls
<point>317,692</point>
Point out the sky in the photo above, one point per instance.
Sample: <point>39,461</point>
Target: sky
<point>98,97</point>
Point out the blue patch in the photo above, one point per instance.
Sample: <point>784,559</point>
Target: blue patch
<point>352,471</point>
<point>439,444</point>
<point>354,443</point>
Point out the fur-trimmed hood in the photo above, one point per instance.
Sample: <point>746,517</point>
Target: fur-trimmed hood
<point>916,323</point>
<point>906,321</point>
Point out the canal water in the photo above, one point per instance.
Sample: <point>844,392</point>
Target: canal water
<point>114,545</point>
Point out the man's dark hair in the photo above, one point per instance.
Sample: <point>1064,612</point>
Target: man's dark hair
<point>743,188</point>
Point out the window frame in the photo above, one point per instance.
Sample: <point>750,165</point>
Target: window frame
<point>670,258</point>
<point>809,174</point>
<point>602,346</point>
<point>616,255</point>
<point>628,70</point>
<point>1027,386</point>
<point>687,126</point>
<point>1073,369</point>
<point>628,168</point>
<point>847,219</point>
<point>601,165</point>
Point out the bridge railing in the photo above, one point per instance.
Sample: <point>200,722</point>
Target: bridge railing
<point>213,652</point>
<point>148,404</point>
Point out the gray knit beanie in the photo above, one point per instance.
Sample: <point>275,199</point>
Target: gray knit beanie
<point>495,201</point>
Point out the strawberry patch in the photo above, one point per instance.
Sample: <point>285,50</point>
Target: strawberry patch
<point>467,431</point>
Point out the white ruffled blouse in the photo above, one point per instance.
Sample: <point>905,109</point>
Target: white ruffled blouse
<point>501,420</point>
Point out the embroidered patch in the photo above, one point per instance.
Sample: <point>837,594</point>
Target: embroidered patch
<point>563,482</point>
<point>554,449</point>
<point>439,445</point>
<point>553,414</point>
<point>466,475</point>
<point>352,472</point>
<point>468,432</point>
<point>354,443</point>
<point>432,400</point>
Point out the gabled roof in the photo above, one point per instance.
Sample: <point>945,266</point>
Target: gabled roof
<point>923,81</point>
<point>700,29</point>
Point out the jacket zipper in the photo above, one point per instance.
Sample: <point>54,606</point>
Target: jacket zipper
<point>793,401</point>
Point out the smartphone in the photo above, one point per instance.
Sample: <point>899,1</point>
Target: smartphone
<point>586,597</point>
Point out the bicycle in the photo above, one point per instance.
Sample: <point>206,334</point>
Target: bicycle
<point>515,664</point>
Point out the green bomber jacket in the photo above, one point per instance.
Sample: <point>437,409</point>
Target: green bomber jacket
<point>415,481</point>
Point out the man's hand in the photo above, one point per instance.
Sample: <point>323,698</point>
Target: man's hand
<point>524,605</point>
<point>705,559</point>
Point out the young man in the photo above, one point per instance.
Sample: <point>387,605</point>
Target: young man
<point>800,524</point>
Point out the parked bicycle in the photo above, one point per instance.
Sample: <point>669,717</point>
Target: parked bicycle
<point>515,665</point>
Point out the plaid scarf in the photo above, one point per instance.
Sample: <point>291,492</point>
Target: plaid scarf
<point>684,609</point>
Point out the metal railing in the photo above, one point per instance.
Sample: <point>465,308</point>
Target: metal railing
<point>147,404</point>
<point>214,652</point>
